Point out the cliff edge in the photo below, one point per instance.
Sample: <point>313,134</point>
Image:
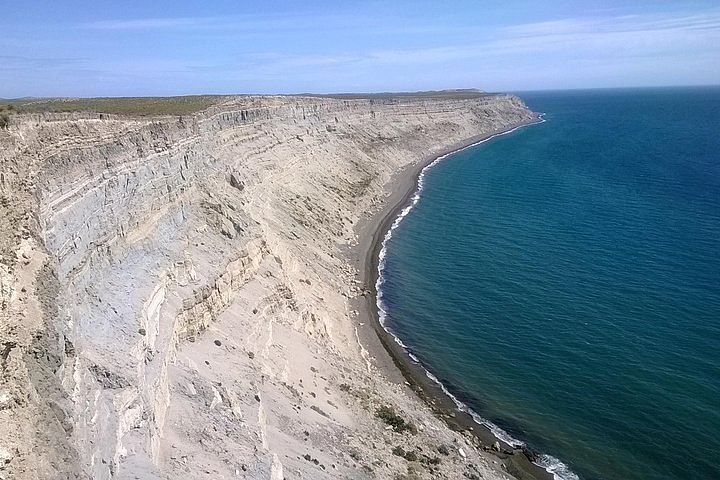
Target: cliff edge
<point>176,303</point>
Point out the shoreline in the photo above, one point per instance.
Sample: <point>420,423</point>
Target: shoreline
<point>391,357</point>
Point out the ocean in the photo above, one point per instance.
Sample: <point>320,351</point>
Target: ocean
<point>562,281</point>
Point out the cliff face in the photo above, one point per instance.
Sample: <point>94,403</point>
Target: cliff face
<point>174,297</point>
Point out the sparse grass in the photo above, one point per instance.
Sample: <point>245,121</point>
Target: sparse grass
<point>185,105</point>
<point>120,105</point>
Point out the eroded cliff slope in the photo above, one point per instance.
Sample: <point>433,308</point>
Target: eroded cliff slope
<point>175,301</point>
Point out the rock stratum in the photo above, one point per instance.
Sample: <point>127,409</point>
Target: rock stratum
<point>176,292</point>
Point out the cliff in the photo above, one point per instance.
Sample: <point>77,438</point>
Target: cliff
<point>175,291</point>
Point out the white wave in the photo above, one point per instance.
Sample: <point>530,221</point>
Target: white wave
<point>559,470</point>
<point>552,465</point>
<point>497,431</point>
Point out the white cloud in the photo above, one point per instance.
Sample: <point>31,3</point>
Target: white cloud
<point>151,23</point>
<point>575,38</point>
<point>325,52</point>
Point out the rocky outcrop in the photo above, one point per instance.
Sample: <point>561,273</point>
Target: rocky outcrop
<point>174,298</point>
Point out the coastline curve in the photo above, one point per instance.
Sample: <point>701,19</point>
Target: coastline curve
<point>554,467</point>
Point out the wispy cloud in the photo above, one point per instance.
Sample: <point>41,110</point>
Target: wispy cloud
<point>240,23</point>
<point>572,39</point>
<point>272,24</point>
<point>283,51</point>
<point>153,23</point>
<point>20,63</point>
<point>618,23</point>
<point>619,36</point>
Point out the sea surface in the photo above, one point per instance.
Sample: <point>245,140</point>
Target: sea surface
<point>563,282</point>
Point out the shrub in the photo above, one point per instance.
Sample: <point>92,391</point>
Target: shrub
<point>5,112</point>
<point>410,456</point>
<point>388,415</point>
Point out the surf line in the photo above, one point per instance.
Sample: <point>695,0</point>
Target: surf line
<point>552,465</point>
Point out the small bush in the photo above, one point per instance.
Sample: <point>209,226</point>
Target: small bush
<point>410,456</point>
<point>5,111</point>
<point>388,415</point>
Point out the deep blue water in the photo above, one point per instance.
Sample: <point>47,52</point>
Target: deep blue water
<point>564,281</point>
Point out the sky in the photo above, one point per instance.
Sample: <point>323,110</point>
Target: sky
<point>132,48</point>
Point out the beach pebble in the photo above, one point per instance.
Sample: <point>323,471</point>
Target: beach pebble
<point>5,399</point>
<point>191,389</point>
<point>462,453</point>
<point>217,399</point>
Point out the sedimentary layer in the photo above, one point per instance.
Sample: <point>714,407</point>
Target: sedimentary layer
<point>176,292</point>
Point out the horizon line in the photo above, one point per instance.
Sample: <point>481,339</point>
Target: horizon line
<point>377,92</point>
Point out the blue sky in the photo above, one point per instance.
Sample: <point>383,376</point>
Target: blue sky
<point>113,48</point>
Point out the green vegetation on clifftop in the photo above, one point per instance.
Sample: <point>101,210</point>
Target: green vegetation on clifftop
<point>120,105</point>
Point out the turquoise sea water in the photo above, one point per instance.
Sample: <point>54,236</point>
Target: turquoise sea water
<point>563,281</point>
